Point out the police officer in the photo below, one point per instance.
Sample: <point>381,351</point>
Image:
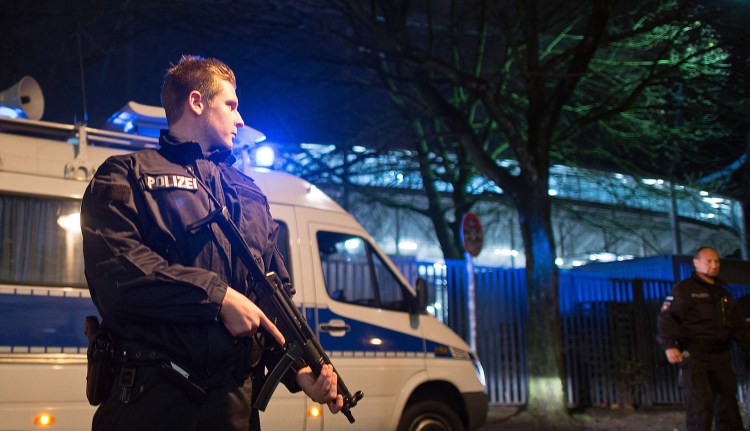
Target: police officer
<point>696,325</point>
<point>177,300</point>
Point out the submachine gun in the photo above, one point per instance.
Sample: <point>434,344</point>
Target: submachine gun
<point>301,341</point>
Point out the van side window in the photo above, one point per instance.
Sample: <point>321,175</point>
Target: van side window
<point>40,241</point>
<point>355,274</point>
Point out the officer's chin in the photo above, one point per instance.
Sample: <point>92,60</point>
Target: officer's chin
<point>222,146</point>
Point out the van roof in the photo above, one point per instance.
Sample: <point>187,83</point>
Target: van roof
<point>287,189</point>
<point>43,150</point>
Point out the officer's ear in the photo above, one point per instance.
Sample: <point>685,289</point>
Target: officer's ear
<point>196,102</point>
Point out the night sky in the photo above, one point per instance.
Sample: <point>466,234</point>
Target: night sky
<point>125,48</point>
<point>111,52</point>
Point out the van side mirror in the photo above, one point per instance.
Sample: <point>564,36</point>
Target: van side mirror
<point>420,300</point>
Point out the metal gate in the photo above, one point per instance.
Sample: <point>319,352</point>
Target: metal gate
<point>608,332</point>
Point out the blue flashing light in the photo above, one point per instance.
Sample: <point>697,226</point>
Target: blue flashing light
<point>11,113</point>
<point>264,156</point>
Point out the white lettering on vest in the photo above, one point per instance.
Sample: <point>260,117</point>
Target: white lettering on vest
<point>154,182</point>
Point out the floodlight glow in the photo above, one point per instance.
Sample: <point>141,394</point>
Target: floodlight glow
<point>652,182</point>
<point>714,202</point>
<point>603,257</point>
<point>407,245</point>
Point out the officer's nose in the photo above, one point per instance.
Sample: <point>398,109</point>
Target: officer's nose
<point>238,121</point>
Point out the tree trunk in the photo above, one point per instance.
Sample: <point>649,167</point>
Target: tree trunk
<point>745,228</point>
<point>546,394</point>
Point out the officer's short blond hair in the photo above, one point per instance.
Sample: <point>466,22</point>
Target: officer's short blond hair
<point>193,72</point>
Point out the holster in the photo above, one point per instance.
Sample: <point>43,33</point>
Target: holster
<point>100,356</point>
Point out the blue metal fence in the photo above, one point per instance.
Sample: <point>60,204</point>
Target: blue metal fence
<point>608,331</point>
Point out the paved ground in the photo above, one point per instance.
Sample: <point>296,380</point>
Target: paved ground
<point>592,419</point>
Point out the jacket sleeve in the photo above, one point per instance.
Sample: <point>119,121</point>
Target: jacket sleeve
<point>127,278</point>
<point>670,318</point>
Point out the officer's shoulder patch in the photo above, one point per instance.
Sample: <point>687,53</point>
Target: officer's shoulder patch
<point>113,192</point>
<point>667,303</point>
<point>120,192</point>
<point>169,181</point>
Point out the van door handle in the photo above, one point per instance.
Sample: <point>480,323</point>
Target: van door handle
<point>336,327</point>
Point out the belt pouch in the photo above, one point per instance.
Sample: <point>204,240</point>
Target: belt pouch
<point>100,355</point>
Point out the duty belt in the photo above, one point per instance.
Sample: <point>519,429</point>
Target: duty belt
<point>131,359</point>
<point>138,356</point>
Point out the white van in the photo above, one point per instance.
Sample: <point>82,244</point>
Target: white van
<point>414,371</point>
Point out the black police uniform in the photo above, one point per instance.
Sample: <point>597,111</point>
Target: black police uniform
<point>701,320</point>
<point>159,286</point>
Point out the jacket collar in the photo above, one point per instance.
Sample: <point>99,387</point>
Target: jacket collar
<point>186,152</point>
<point>717,281</point>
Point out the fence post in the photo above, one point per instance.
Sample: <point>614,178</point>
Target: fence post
<point>644,346</point>
<point>471,301</point>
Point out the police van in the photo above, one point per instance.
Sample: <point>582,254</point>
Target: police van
<point>414,371</point>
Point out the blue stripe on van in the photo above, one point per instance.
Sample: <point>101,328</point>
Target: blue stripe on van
<point>43,320</point>
<point>50,320</point>
<point>361,335</point>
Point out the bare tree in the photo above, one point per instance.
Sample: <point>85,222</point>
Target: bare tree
<point>537,83</point>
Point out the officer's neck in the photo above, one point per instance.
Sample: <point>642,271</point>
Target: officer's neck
<point>707,278</point>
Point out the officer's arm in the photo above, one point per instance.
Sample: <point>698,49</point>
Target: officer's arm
<point>669,321</point>
<point>243,318</point>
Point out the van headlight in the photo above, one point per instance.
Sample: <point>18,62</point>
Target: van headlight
<point>478,369</point>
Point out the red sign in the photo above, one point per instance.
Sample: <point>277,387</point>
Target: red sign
<point>472,234</point>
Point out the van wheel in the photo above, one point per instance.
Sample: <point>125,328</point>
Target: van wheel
<point>430,416</point>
